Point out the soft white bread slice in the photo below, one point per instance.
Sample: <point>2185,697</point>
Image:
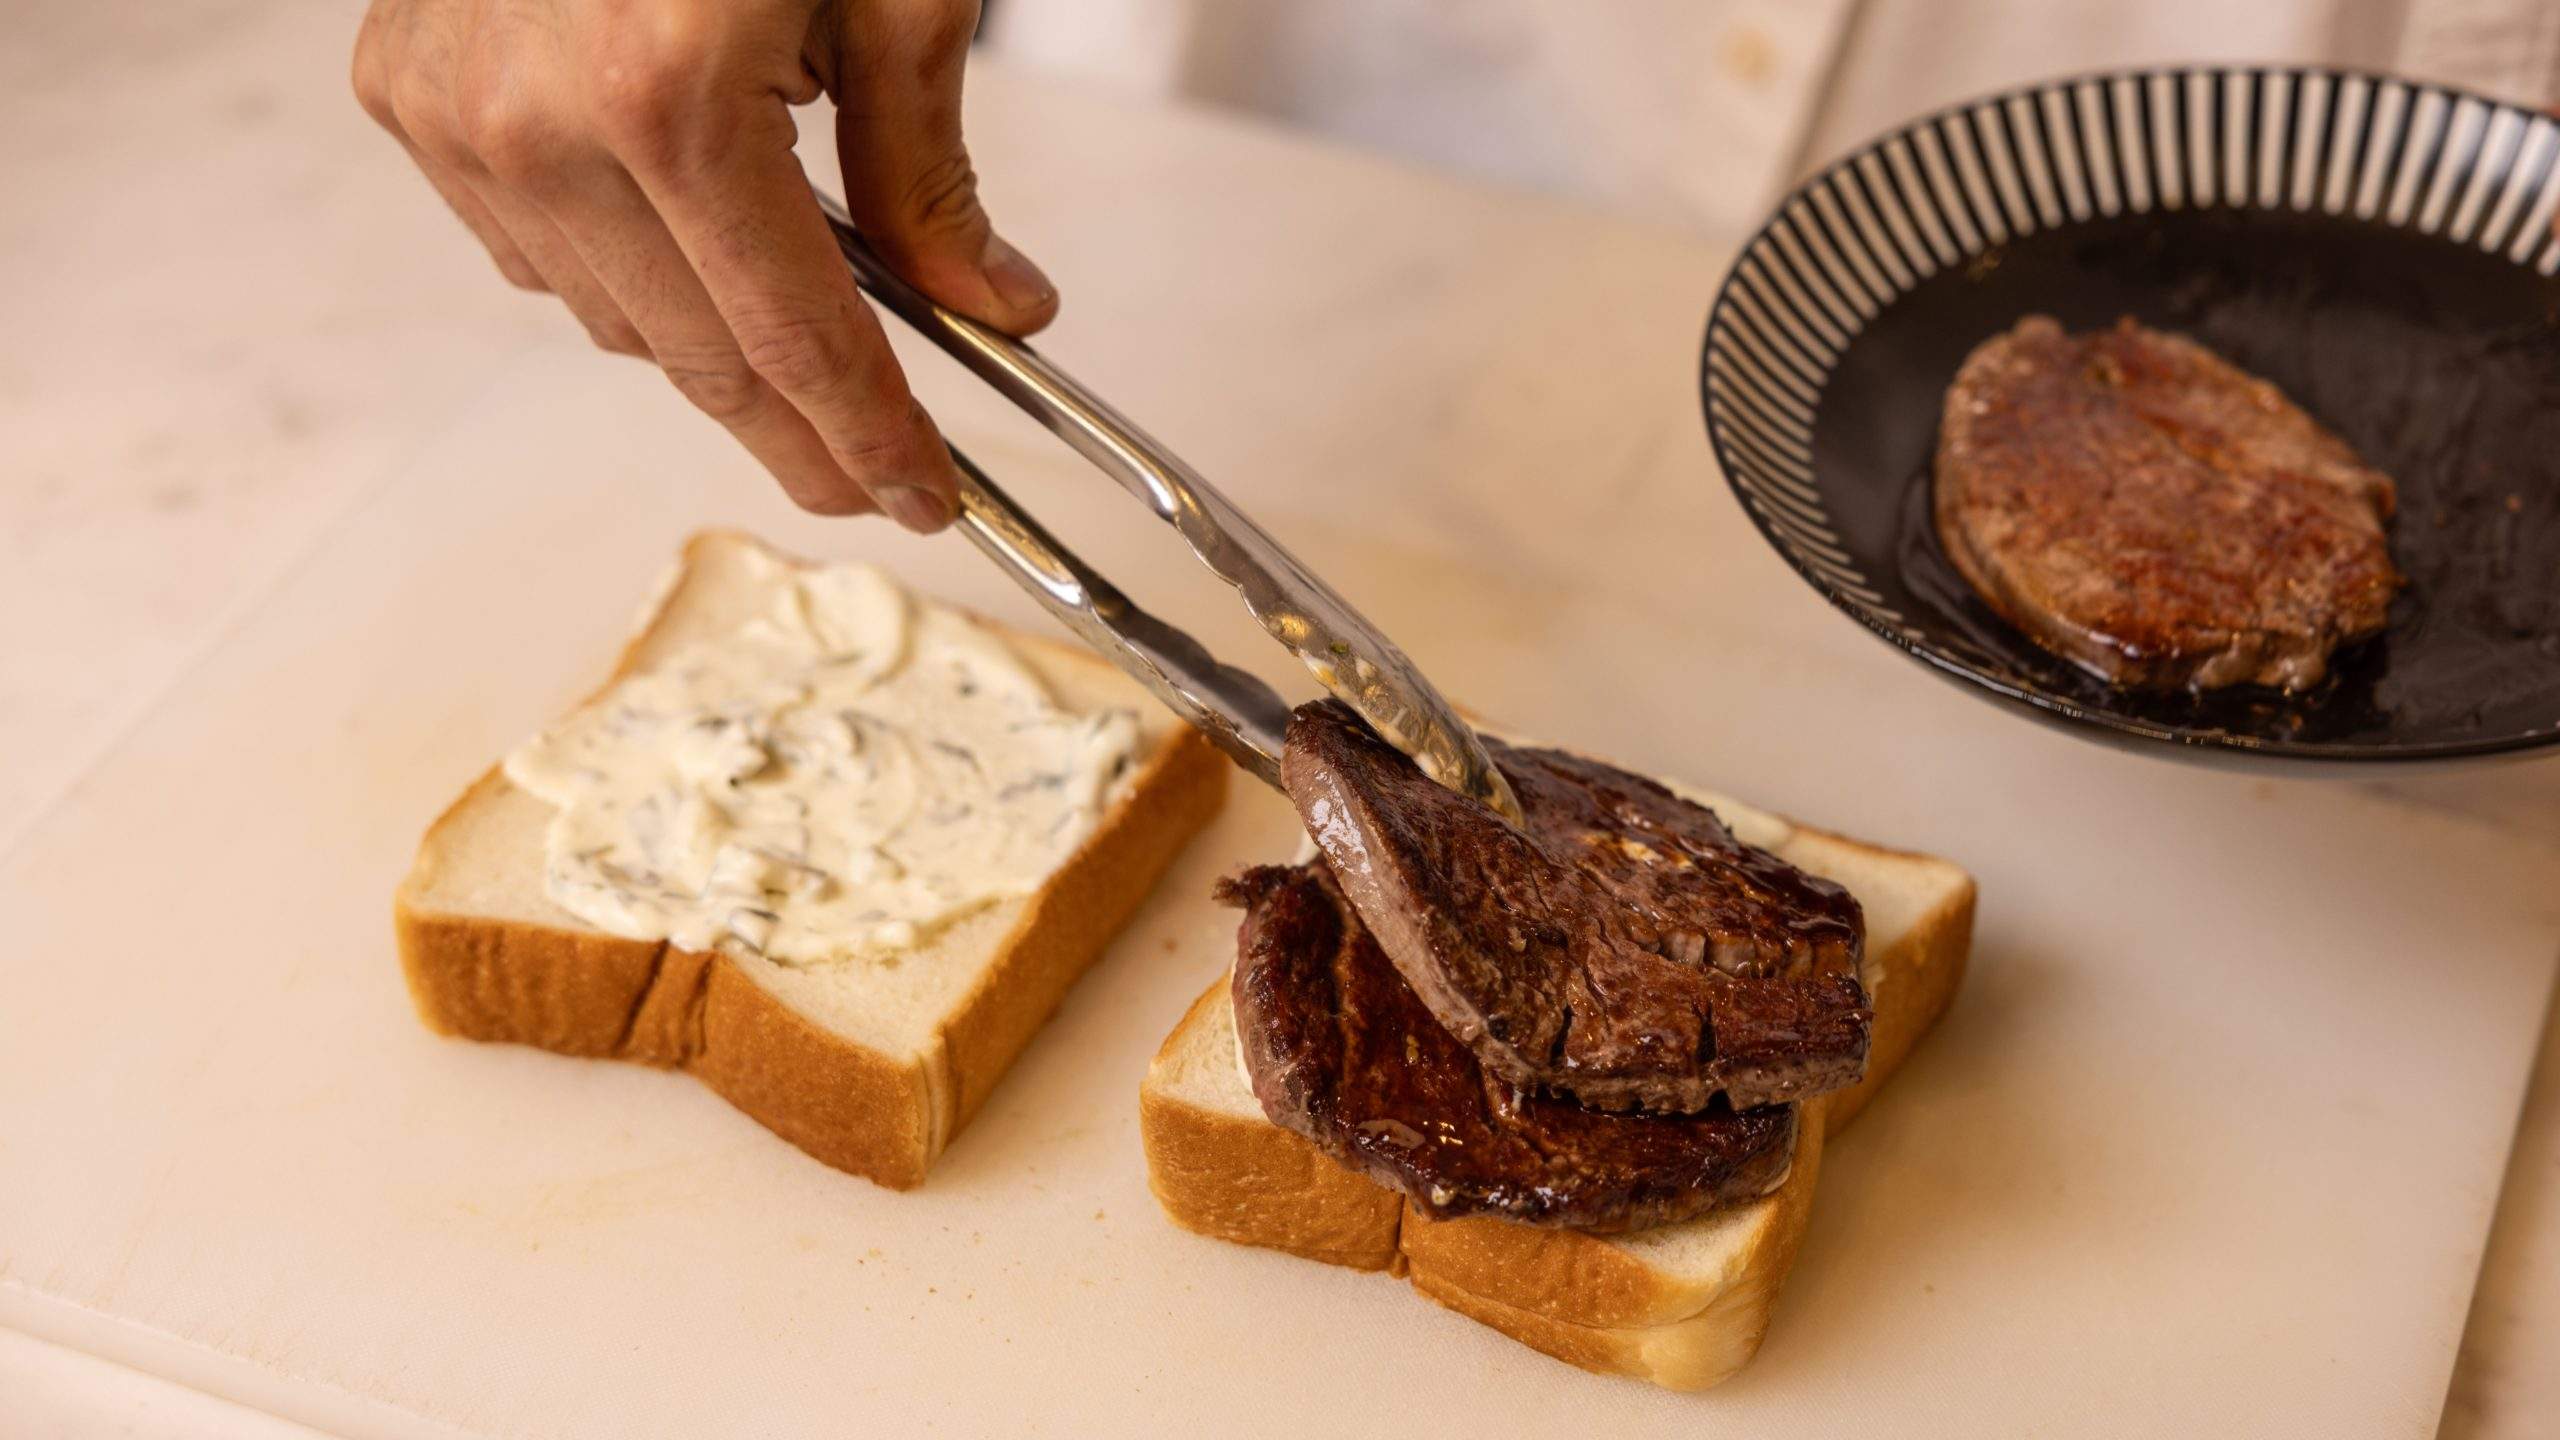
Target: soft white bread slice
<point>1682,1306</point>
<point>871,1066</point>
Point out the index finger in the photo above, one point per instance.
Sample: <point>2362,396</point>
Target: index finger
<point>734,197</point>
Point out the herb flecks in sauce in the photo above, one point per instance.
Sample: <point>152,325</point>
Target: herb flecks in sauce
<point>842,776</point>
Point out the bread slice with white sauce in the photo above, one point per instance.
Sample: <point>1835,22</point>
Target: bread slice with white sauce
<point>870,1065</point>
<point>1683,1306</point>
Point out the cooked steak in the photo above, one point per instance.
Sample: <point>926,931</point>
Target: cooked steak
<point>1623,947</point>
<point>1341,1052</point>
<point>2141,507</point>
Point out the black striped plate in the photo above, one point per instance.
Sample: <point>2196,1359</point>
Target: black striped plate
<point>2384,251</point>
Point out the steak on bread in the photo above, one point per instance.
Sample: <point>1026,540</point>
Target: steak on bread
<point>1619,945</point>
<point>1681,1305</point>
<point>1341,1052</point>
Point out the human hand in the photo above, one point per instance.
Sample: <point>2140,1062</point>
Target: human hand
<point>633,157</point>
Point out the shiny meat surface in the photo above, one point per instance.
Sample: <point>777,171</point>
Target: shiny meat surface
<point>1623,948</point>
<point>2139,506</point>
<point>1342,1052</point>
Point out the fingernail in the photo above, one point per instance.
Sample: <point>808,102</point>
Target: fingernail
<point>921,510</point>
<point>1017,282</point>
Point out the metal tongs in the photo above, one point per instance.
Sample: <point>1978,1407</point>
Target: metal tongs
<point>1242,715</point>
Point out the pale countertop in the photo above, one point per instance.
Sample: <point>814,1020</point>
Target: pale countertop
<point>236,316</point>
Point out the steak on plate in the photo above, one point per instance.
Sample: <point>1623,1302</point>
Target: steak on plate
<point>2143,508</point>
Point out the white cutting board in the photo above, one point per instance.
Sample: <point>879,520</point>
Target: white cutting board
<point>2207,1146</point>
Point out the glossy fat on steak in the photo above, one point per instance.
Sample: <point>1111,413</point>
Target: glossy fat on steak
<point>2141,507</point>
<point>1340,1051</point>
<point>1622,947</point>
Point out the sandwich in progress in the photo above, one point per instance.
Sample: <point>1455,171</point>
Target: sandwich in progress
<point>1572,1078</point>
<point>836,850</point>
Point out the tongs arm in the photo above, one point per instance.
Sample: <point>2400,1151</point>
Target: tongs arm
<point>1347,655</point>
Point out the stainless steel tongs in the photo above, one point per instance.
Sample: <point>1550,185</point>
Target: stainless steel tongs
<point>1346,653</point>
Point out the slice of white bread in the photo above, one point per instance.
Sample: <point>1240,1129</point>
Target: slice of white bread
<point>871,1066</point>
<point>1683,1306</point>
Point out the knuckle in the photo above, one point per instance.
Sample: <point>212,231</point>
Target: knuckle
<point>942,198</point>
<point>724,389</point>
<point>502,125</point>
<point>521,274</point>
<point>640,92</point>
<point>638,116</point>
<point>425,115</point>
<point>370,74</point>
<point>799,355</point>
<point>892,444</point>
<point>620,338</point>
<point>373,92</point>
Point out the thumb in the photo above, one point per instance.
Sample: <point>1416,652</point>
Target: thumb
<point>907,175</point>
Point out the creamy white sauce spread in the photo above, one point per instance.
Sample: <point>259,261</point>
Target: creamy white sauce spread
<point>842,776</point>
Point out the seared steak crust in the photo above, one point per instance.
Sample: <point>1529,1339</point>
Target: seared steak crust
<point>1623,948</point>
<point>2145,509</point>
<point>1341,1052</point>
